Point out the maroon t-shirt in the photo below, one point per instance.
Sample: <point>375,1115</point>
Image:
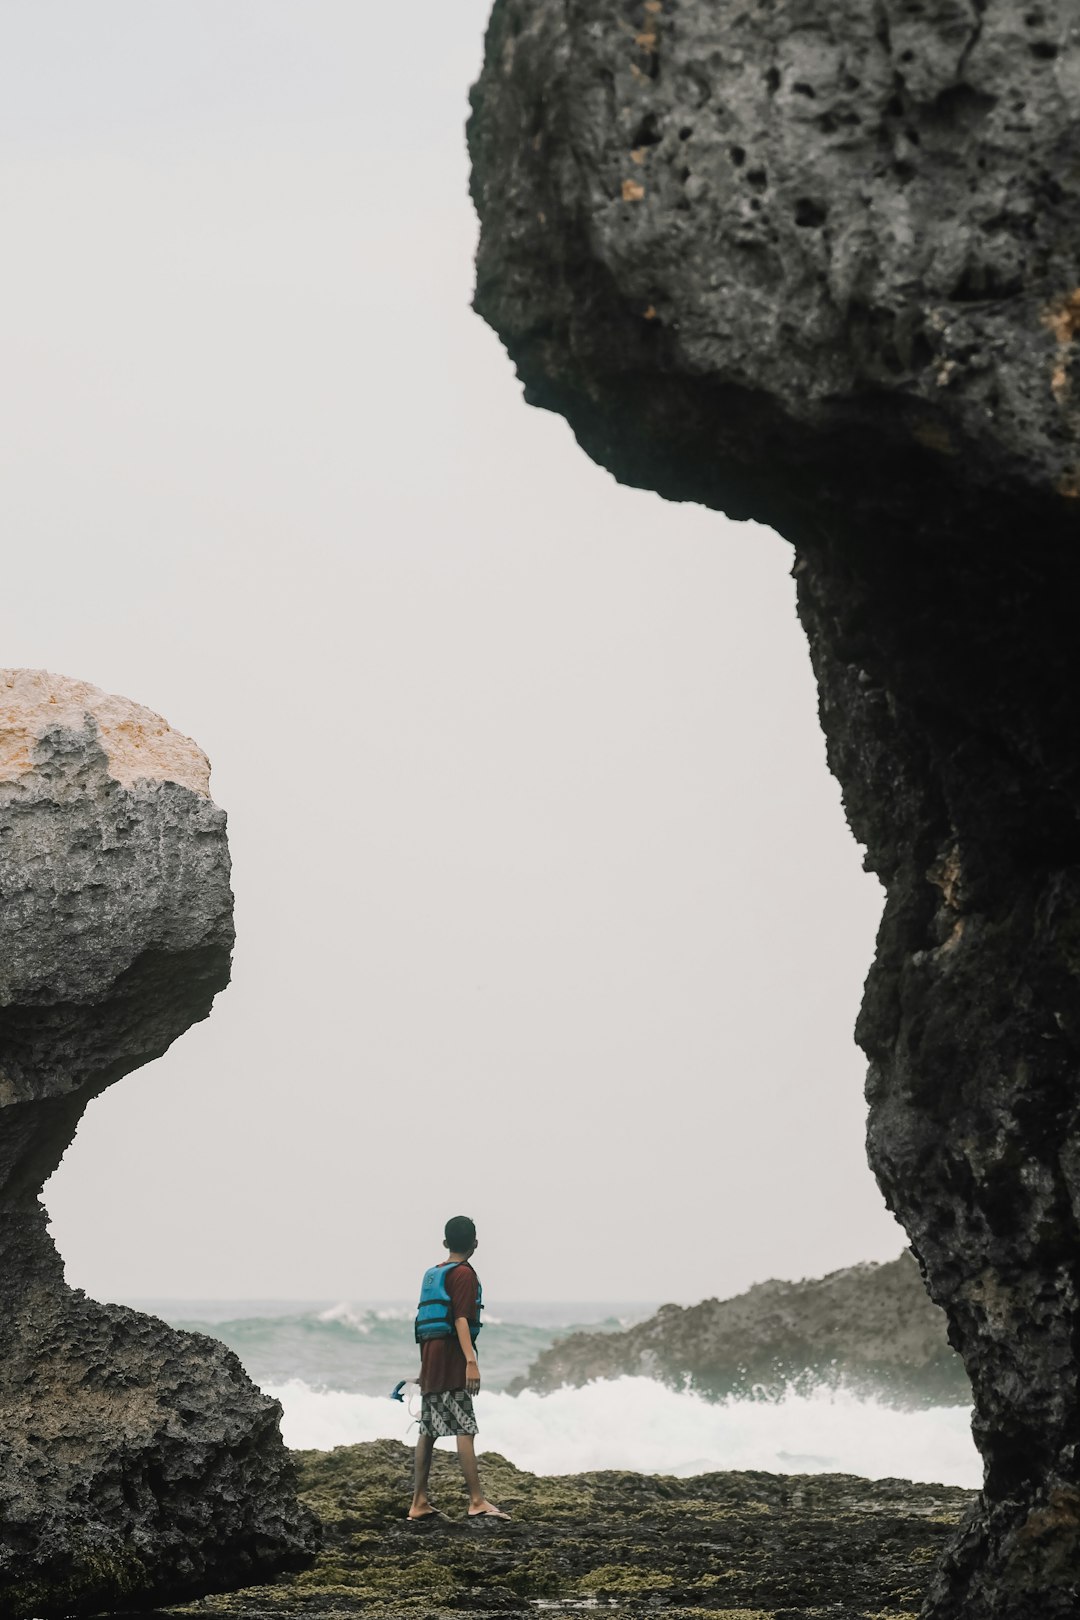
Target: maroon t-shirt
<point>442,1365</point>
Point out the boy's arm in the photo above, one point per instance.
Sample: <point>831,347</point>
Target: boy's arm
<point>468,1350</point>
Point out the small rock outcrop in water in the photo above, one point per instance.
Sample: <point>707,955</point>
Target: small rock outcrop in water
<point>138,1464</point>
<point>870,1329</point>
<point>729,1546</point>
<point>819,265</point>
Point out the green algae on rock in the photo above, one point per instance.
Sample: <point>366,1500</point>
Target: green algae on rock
<point>750,1545</point>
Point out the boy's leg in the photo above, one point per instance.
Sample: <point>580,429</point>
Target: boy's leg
<point>421,1504</point>
<point>466,1451</point>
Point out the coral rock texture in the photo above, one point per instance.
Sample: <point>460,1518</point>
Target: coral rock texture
<point>819,264</point>
<point>869,1329</point>
<point>137,1464</point>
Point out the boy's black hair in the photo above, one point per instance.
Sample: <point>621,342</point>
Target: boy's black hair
<point>460,1234</point>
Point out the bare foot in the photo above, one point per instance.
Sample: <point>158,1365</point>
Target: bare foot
<point>423,1510</point>
<point>487,1510</point>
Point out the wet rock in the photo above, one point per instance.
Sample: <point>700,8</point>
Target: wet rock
<point>869,1329</point>
<point>820,265</point>
<point>746,1546</point>
<point>137,1464</point>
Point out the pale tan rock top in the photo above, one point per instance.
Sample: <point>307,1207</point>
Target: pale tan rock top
<point>139,744</point>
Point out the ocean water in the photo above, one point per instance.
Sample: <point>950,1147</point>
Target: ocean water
<point>364,1349</point>
<point>332,1366</point>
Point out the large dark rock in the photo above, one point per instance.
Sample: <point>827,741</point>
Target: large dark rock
<point>138,1464</point>
<point>817,262</point>
<point>868,1329</point>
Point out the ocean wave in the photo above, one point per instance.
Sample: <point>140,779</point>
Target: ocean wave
<point>363,1348</point>
<point>634,1423</point>
<point>359,1320</point>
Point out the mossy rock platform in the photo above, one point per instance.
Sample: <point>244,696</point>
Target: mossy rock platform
<point>723,1546</point>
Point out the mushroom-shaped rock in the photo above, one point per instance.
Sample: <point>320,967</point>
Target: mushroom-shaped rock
<point>138,1464</point>
<point>819,265</point>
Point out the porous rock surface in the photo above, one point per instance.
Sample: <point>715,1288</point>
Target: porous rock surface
<point>137,1464</point>
<point>817,262</point>
<point>724,1546</point>
<point>869,1329</point>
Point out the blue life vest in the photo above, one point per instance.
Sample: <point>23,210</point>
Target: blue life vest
<point>435,1312</point>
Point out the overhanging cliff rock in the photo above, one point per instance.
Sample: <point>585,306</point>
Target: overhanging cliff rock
<point>138,1465</point>
<point>820,265</point>
<point>869,1329</point>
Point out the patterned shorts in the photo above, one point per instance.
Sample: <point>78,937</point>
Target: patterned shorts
<point>447,1411</point>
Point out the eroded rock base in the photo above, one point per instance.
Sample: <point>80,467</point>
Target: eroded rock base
<point>138,1464</point>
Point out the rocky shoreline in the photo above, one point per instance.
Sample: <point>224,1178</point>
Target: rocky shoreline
<point>872,1329</point>
<point>730,1546</point>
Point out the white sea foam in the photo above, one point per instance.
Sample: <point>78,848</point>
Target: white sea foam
<point>637,1424</point>
<point>348,1315</point>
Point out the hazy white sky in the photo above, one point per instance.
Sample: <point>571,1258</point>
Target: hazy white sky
<point>547,909</point>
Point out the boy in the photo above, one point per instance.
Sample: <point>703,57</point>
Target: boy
<point>448,1321</point>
